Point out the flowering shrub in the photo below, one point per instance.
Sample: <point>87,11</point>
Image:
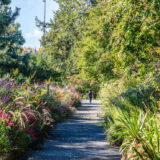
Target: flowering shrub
<point>26,110</point>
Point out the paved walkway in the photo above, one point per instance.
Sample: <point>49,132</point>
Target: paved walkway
<point>79,138</point>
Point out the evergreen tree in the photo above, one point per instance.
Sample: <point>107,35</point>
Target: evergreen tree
<point>10,37</point>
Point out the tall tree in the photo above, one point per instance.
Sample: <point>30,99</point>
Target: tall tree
<point>10,36</point>
<point>65,31</point>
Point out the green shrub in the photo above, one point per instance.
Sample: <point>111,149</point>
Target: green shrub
<point>4,138</point>
<point>112,138</point>
<point>21,139</point>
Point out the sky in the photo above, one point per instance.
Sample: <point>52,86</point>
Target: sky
<point>29,10</point>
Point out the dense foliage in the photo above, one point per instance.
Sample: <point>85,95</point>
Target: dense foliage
<point>95,41</point>
<point>120,37</point>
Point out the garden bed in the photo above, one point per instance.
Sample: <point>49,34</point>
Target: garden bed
<point>29,110</point>
<point>131,117</point>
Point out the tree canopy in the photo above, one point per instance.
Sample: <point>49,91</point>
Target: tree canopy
<point>88,41</point>
<point>100,40</point>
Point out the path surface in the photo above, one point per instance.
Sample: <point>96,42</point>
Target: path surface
<point>79,138</point>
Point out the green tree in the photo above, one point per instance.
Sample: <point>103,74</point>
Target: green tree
<point>94,62</point>
<point>65,31</point>
<point>10,36</point>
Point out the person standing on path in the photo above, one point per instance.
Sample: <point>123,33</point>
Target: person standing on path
<point>90,94</point>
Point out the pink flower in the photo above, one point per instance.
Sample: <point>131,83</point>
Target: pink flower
<point>10,123</point>
<point>32,133</point>
<point>31,117</point>
<point>4,115</point>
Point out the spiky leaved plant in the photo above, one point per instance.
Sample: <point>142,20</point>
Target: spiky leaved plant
<point>141,136</point>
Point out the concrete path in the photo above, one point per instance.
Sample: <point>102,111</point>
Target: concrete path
<point>79,138</point>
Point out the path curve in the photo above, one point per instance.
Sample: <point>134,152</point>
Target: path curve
<point>79,138</point>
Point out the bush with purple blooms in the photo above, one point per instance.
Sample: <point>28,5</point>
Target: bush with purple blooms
<point>27,110</point>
